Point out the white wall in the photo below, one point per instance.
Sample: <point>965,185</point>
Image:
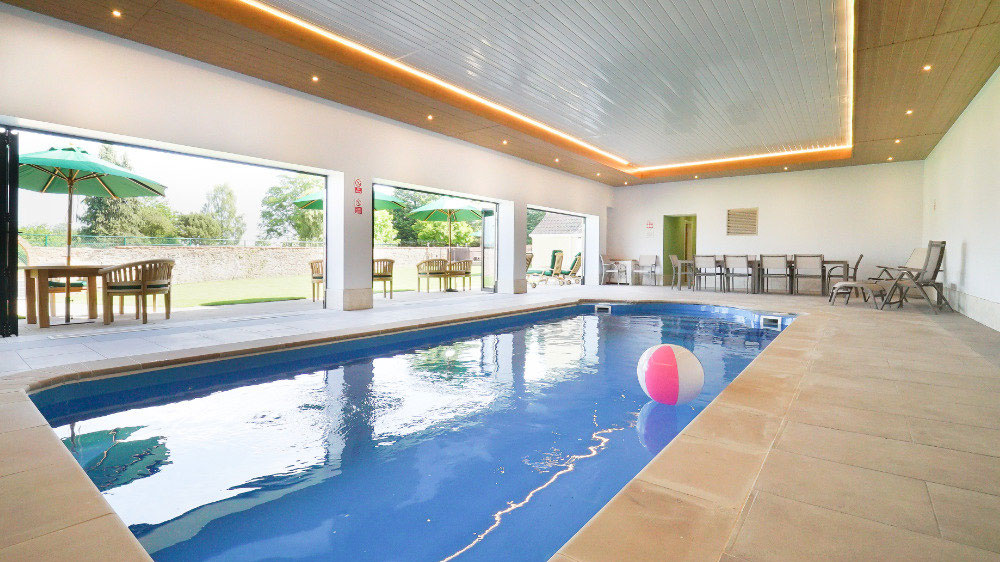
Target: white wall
<point>146,93</point>
<point>839,212</point>
<point>962,206</point>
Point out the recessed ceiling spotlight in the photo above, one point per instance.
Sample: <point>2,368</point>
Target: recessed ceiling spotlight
<point>626,183</point>
<point>927,67</point>
<point>598,174</point>
<point>504,141</point>
<point>430,117</point>
<point>889,159</point>
<point>786,168</point>
<point>909,112</point>
<point>315,78</point>
<point>696,177</point>
<point>116,13</point>
<point>557,160</point>
<point>897,141</point>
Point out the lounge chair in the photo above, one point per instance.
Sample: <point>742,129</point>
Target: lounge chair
<point>555,267</point>
<point>916,260</point>
<point>871,291</point>
<point>528,256</point>
<point>432,269</point>
<point>382,271</point>
<point>572,274</point>
<point>139,279</point>
<point>908,278</point>
<point>316,270</point>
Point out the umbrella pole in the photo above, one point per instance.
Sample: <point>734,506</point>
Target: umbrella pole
<point>69,242</point>
<point>450,288</point>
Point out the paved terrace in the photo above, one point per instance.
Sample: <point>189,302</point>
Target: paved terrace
<point>857,434</point>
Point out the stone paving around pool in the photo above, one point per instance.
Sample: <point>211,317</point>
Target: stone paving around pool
<point>857,434</point>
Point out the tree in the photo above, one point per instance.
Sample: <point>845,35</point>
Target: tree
<point>221,205</point>
<point>534,217</point>
<point>132,216</point>
<point>157,220</point>
<point>462,233</point>
<point>406,225</point>
<point>198,225</point>
<point>280,218</point>
<point>384,231</point>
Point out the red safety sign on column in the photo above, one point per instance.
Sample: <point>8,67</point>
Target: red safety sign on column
<point>357,207</point>
<point>357,186</point>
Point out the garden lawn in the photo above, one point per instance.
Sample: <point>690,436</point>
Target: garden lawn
<point>243,291</point>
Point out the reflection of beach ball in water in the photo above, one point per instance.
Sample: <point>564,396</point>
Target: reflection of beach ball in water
<point>657,425</point>
<point>670,374</point>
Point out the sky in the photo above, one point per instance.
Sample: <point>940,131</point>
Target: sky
<point>188,180</point>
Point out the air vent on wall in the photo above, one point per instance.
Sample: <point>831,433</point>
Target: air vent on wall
<point>741,222</point>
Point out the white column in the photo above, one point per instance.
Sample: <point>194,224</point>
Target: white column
<point>592,259</point>
<point>348,242</point>
<point>512,236</point>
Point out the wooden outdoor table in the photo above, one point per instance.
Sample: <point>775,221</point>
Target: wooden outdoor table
<point>790,261</point>
<point>36,288</point>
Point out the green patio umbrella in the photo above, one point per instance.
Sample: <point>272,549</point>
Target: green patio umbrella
<point>74,171</point>
<point>384,201</point>
<point>448,209</point>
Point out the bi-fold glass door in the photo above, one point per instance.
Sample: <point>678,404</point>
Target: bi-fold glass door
<point>488,247</point>
<point>8,231</point>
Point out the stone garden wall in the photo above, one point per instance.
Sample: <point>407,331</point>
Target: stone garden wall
<point>218,263</point>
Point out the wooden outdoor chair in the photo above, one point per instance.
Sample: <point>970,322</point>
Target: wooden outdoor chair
<point>318,278</point>
<point>139,279</point>
<point>527,260</point>
<point>382,271</point>
<point>572,275</point>
<point>435,268</point>
<point>460,269</point>
<point>555,268</point>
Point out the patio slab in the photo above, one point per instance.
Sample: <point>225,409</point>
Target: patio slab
<point>845,392</point>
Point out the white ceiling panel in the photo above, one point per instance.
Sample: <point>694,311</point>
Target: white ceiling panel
<point>654,81</point>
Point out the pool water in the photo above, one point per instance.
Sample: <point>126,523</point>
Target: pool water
<point>488,440</point>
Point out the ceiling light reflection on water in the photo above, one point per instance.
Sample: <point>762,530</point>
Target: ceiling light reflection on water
<point>474,449</point>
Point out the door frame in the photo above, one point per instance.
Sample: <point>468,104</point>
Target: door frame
<point>8,226</point>
<point>670,246</point>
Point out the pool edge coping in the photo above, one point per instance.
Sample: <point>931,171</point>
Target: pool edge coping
<point>16,389</point>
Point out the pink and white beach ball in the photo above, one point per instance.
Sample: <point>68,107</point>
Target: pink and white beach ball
<point>670,374</point>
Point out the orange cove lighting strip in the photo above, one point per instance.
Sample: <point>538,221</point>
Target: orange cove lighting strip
<point>842,150</point>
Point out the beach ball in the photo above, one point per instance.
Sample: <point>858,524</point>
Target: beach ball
<point>670,374</point>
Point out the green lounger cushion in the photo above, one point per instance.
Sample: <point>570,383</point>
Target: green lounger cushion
<point>130,287</point>
<point>570,270</point>
<point>72,284</point>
